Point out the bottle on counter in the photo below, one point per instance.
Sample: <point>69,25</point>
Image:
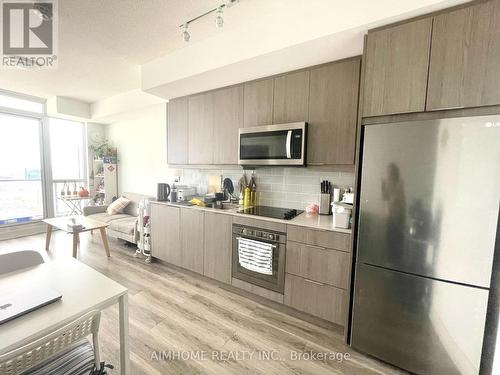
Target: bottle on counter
<point>253,189</point>
<point>247,197</point>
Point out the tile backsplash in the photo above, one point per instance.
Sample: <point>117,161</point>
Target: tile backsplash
<point>278,186</point>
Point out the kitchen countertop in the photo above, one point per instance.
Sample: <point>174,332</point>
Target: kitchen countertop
<point>321,222</point>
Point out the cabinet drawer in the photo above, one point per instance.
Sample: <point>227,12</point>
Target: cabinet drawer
<point>318,299</point>
<point>318,264</point>
<point>323,238</point>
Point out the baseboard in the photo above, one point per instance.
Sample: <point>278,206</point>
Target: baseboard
<point>22,230</point>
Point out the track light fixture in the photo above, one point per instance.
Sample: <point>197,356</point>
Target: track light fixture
<point>219,18</point>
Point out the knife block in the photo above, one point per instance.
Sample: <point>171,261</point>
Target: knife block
<point>324,204</point>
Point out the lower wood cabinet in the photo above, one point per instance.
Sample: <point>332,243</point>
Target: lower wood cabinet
<point>217,257</point>
<point>316,278</point>
<point>192,233</point>
<point>165,238</point>
<point>318,299</point>
<point>318,264</point>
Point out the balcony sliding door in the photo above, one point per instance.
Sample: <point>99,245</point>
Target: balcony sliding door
<point>68,161</point>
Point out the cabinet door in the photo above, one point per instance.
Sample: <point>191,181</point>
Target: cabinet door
<point>177,131</point>
<point>165,238</point>
<point>200,128</point>
<point>397,61</point>
<point>192,239</point>
<point>316,298</point>
<point>465,58</point>
<point>291,96</point>
<point>315,263</point>
<point>218,243</point>
<point>228,118</point>
<point>333,107</point>
<point>258,103</point>
<point>324,238</point>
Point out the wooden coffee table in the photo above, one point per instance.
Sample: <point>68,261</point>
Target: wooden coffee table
<point>88,225</point>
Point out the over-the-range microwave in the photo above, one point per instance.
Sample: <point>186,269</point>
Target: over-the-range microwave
<point>282,144</point>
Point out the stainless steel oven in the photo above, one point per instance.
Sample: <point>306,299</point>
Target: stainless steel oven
<point>259,257</point>
<point>283,144</point>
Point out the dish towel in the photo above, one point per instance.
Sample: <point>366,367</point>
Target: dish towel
<point>255,255</point>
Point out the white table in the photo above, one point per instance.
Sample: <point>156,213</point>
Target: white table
<point>83,289</point>
<point>74,203</point>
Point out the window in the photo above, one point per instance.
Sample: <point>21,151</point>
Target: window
<point>68,155</point>
<point>21,197</point>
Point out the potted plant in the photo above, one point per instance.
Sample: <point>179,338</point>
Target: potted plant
<point>101,147</point>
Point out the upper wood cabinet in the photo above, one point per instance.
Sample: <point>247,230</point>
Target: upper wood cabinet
<point>228,118</point>
<point>291,97</point>
<point>177,131</point>
<point>465,58</point>
<point>258,103</point>
<point>165,239</point>
<point>397,60</point>
<point>203,128</point>
<point>333,113</point>
<point>200,128</point>
<point>192,238</point>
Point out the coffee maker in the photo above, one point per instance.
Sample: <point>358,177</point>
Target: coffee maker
<point>163,192</point>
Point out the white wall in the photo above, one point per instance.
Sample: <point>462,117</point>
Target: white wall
<point>112,109</point>
<point>140,137</point>
<point>68,108</point>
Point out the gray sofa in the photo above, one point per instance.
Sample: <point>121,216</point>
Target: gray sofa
<point>122,225</point>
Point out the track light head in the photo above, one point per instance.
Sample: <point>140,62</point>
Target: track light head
<point>219,20</point>
<point>185,33</point>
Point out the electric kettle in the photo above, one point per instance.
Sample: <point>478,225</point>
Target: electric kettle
<point>163,192</point>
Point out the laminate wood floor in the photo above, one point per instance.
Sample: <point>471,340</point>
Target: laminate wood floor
<point>205,328</point>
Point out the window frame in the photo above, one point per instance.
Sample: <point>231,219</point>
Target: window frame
<point>47,181</point>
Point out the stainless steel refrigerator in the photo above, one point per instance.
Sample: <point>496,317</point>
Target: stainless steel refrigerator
<point>428,212</point>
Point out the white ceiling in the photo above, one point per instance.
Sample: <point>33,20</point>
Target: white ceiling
<point>103,43</point>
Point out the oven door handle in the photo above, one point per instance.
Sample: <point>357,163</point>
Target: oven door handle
<point>267,243</point>
<point>289,144</point>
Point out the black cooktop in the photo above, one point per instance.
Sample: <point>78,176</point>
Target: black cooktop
<point>274,212</point>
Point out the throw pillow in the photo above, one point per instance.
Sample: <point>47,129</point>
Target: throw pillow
<point>117,206</point>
